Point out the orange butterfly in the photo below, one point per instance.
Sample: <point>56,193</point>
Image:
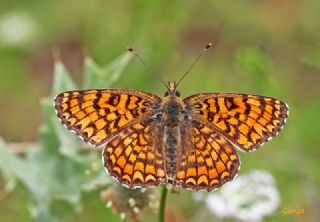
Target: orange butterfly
<point>187,142</point>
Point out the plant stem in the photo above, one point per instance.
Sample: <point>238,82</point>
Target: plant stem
<point>163,204</point>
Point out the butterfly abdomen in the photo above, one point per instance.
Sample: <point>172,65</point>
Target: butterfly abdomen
<point>172,142</point>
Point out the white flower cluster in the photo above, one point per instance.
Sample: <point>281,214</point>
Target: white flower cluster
<point>248,197</point>
<point>17,29</point>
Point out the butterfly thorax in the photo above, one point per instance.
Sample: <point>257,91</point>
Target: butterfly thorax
<point>171,111</point>
<point>172,105</point>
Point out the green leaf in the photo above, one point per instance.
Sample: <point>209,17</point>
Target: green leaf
<point>97,179</point>
<point>9,179</point>
<point>54,136</point>
<point>58,169</point>
<point>51,176</point>
<point>61,79</point>
<point>96,77</point>
<point>52,132</point>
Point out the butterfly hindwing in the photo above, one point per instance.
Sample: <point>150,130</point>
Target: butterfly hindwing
<point>248,121</point>
<point>207,160</point>
<point>96,115</point>
<point>135,156</point>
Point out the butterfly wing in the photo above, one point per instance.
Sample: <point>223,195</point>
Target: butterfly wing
<point>135,156</point>
<point>97,115</point>
<point>207,160</point>
<point>248,121</point>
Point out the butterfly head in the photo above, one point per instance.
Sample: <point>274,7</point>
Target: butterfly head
<point>172,90</point>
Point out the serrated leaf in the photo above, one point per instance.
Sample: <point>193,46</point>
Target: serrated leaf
<point>62,80</point>
<point>97,77</point>
<point>97,180</point>
<point>53,132</point>
<point>9,179</point>
<point>25,173</point>
<point>56,171</point>
<point>48,177</point>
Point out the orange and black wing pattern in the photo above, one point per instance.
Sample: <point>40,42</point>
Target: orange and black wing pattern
<point>97,115</point>
<point>248,121</point>
<point>207,160</point>
<point>135,156</point>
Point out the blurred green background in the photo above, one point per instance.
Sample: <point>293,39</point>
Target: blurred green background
<point>262,47</point>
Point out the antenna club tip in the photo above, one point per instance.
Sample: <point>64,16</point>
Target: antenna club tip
<point>130,49</point>
<point>209,45</point>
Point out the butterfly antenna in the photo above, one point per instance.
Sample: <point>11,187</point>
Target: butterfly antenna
<point>205,49</point>
<point>131,50</point>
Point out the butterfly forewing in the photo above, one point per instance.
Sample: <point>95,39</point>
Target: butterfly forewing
<point>207,160</point>
<point>248,121</point>
<point>135,156</point>
<point>97,115</point>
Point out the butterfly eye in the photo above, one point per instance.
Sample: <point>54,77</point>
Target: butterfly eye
<point>178,93</point>
<point>166,93</point>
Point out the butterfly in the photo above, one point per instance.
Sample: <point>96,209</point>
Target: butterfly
<point>190,142</point>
